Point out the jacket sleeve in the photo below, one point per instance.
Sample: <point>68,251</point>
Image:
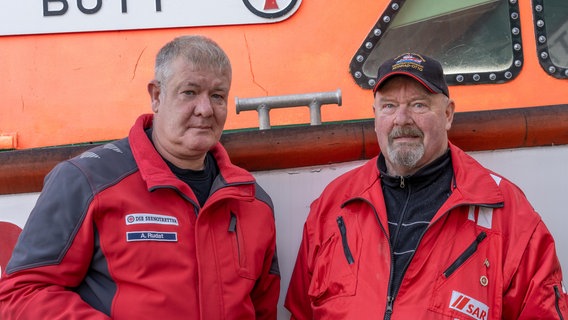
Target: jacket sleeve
<point>52,254</point>
<point>267,289</point>
<point>297,299</point>
<point>536,289</point>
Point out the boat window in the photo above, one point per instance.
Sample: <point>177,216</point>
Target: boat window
<point>551,30</point>
<point>477,41</point>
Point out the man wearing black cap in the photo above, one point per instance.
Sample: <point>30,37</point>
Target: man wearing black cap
<point>423,231</point>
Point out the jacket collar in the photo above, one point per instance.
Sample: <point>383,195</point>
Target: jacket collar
<point>156,173</point>
<point>475,183</point>
<point>472,184</point>
<point>422,178</point>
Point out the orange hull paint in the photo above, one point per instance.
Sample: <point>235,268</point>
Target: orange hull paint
<point>82,87</point>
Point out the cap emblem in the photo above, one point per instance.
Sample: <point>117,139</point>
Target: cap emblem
<point>409,61</point>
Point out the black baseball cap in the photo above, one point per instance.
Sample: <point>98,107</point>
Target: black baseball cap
<point>422,68</point>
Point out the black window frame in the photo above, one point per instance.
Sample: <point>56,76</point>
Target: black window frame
<point>541,37</point>
<point>498,76</point>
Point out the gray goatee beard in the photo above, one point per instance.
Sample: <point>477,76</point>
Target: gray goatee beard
<point>405,154</point>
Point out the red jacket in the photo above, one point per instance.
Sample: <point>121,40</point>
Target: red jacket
<point>115,234</point>
<point>485,255</point>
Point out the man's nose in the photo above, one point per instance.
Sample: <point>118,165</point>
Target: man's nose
<point>203,105</point>
<point>403,116</point>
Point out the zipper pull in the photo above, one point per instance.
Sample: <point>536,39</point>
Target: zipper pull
<point>233,223</point>
<point>343,232</point>
<point>402,182</point>
<point>388,312</point>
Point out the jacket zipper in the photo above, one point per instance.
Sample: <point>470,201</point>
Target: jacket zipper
<point>391,292</point>
<point>390,300</point>
<point>233,228</point>
<point>343,232</point>
<point>465,255</point>
<point>557,302</point>
<point>388,311</point>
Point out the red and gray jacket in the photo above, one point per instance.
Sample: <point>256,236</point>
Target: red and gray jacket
<point>486,254</point>
<point>115,234</point>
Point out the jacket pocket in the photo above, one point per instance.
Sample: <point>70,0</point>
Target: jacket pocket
<point>245,268</point>
<point>469,284</point>
<point>465,255</point>
<point>336,264</point>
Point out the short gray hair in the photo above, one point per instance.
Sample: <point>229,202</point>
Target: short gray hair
<point>200,51</point>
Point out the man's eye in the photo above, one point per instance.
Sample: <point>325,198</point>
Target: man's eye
<point>387,108</point>
<point>189,92</point>
<point>218,97</point>
<point>420,107</point>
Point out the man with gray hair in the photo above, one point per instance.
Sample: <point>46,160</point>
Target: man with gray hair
<point>158,225</point>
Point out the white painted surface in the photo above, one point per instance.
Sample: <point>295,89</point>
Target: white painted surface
<point>57,16</point>
<point>542,173</point>
<point>15,208</point>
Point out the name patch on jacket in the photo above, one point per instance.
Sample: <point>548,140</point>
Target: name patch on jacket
<point>150,218</point>
<point>151,236</point>
<point>470,306</point>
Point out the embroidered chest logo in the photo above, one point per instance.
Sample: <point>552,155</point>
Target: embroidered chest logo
<point>469,306</point>
<point>151,235</point>
<point>150,218</point>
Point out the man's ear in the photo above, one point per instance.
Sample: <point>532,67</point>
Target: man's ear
<point>450,110</point>
<point>154,91</point>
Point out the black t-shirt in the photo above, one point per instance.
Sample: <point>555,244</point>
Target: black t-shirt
<point>200,181</point>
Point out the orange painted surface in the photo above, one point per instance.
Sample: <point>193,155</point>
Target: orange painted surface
<point>82,87</point>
